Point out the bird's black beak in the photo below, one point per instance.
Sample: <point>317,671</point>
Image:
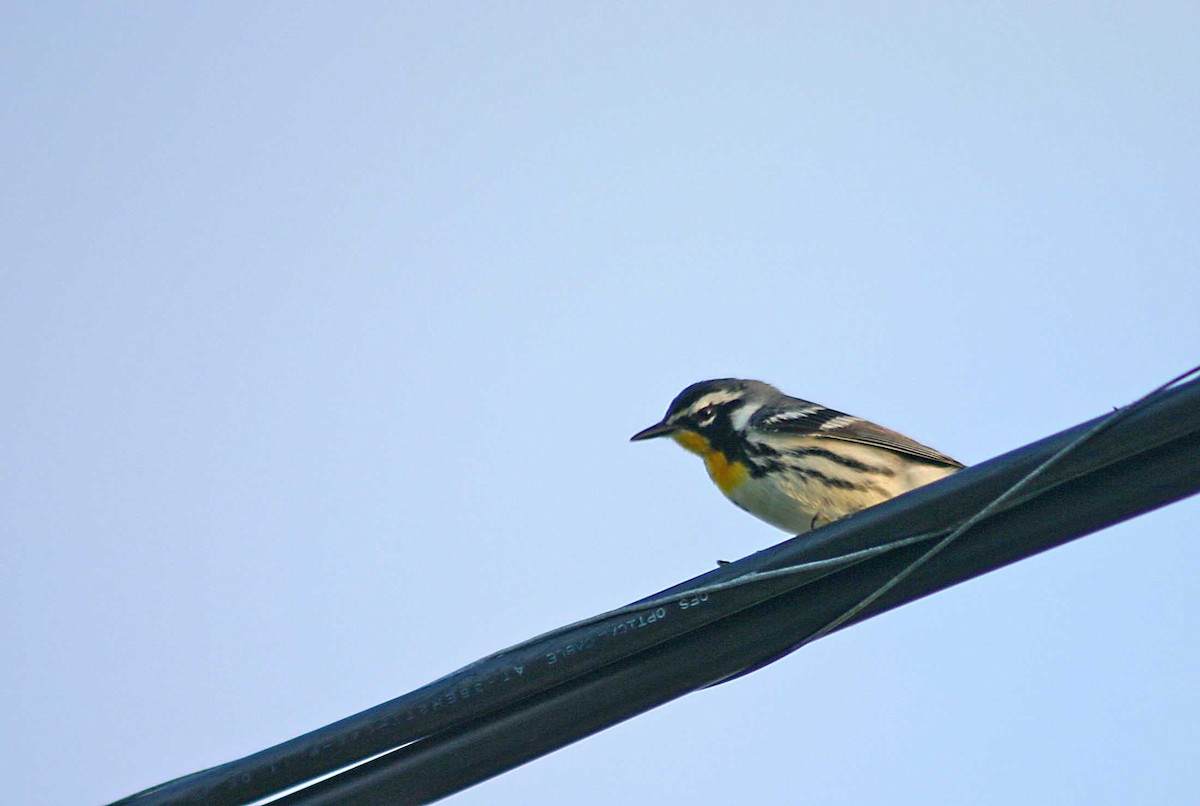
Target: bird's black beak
<point>659,430</point>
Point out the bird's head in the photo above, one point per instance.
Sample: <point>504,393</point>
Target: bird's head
<point>711,415</point>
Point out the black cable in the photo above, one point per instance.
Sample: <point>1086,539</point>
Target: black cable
<point>481,720</point>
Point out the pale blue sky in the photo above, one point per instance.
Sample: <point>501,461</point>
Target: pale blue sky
<point>325,327</point>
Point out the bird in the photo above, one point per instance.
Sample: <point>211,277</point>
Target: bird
<point>793,463</point>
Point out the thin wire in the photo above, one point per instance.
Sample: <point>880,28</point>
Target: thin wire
<point>995,504</point>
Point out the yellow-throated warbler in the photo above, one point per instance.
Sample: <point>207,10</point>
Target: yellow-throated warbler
<point>795,464</point>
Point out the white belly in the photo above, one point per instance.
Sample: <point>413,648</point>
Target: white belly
<point>796,504</point>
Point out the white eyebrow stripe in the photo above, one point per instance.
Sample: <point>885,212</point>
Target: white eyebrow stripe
<point>839,422</point>
<point>713,398</point>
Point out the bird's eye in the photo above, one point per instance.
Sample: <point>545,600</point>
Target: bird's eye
<point>706,414</point>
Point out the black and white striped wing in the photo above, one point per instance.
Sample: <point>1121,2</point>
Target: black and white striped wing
<point>815,420</point>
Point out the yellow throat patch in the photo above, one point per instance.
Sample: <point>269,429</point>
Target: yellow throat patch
<point>725,473</point>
